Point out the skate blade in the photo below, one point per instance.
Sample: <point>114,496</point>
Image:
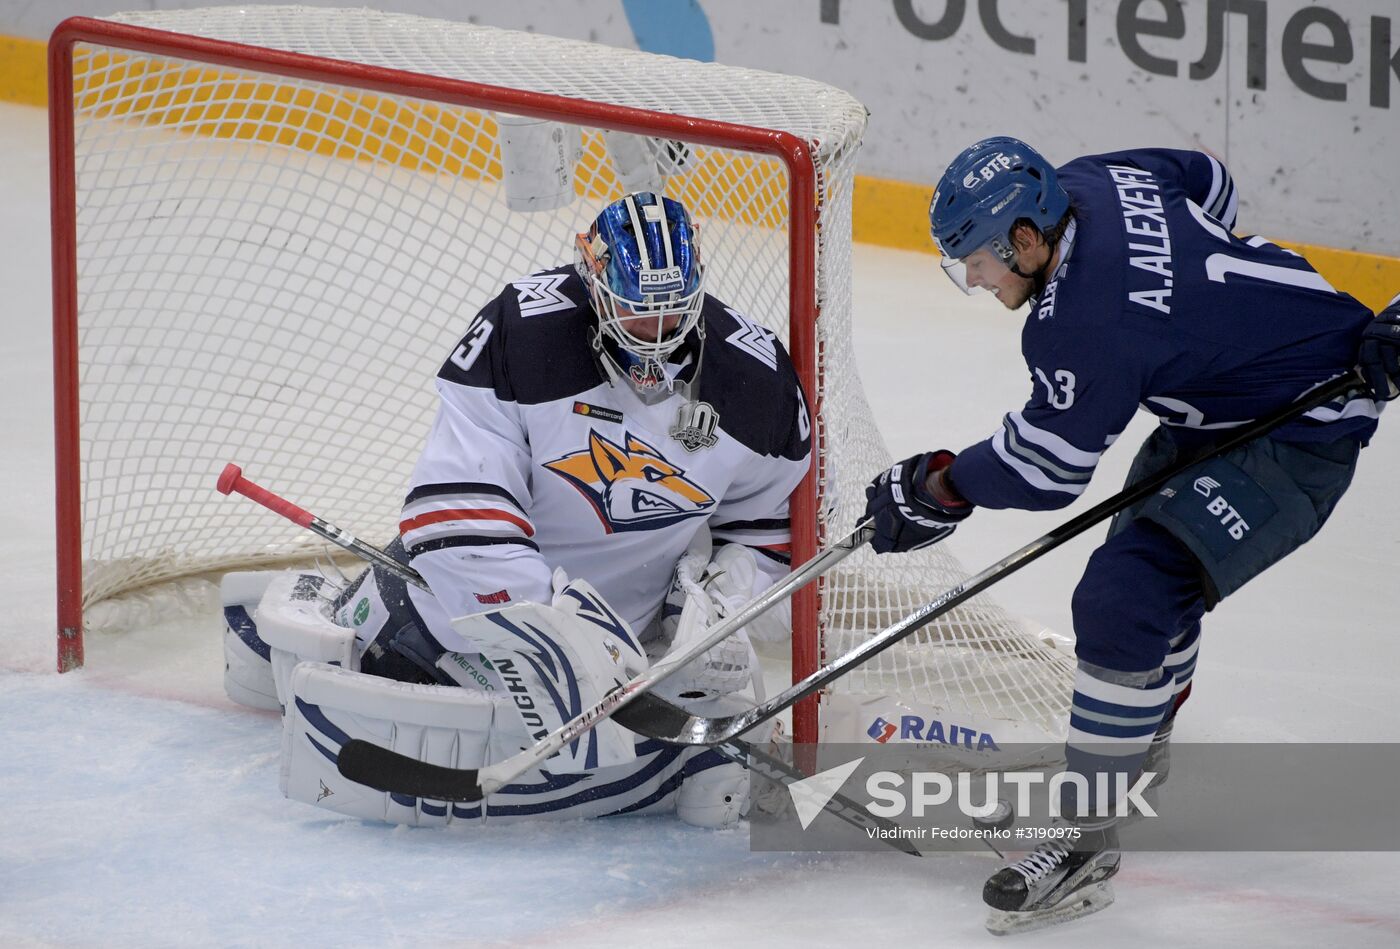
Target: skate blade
<point>1087,901</point>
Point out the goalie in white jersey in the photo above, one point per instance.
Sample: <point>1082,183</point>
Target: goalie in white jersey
<point>608,474</point>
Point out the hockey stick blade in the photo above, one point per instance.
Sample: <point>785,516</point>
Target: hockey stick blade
<point>654,717</point>
<point>366,763</point>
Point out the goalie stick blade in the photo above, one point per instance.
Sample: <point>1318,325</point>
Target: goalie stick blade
<point>367,763</point>
<point>653,717</point>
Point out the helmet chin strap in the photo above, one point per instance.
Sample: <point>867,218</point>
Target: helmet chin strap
<point>1038,277</point>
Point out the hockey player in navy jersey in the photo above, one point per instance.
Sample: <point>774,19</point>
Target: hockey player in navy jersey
<point>607,475</point>
<point>1139,295</point>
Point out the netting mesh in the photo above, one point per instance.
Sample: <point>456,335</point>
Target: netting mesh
<point>270,271</point>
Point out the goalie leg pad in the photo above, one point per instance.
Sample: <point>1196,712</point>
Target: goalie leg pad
<point>650,784</point>
<point>292,620</point>
<point>714,797</point>
<point>461,728</point>
<point>716,791</point>
<point>248,676</point>
<point>328,706</point>
<point>555,662</point>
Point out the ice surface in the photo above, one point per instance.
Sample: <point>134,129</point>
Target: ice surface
<point>140,807</point>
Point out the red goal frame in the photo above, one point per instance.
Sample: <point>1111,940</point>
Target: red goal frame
<point>803,199</point>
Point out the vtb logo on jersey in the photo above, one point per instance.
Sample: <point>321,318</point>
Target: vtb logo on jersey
<point>631,486</point>
<point>1205,485</point>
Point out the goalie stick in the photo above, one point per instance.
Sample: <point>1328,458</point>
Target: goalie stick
<point>231,479</point>
<point>366,763</point>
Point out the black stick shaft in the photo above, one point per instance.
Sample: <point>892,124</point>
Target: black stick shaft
<point>657,718</point>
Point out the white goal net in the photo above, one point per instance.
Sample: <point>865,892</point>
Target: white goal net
<point>270,247</point>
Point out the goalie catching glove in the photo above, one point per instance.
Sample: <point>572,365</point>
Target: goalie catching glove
<point>913,504</point>
<point>703,593</point>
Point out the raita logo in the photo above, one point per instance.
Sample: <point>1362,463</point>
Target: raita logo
<point>914,728</point>
<point>881,730</point>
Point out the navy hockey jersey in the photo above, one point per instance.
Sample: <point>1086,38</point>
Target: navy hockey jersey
<point>536,461</point>
<point>1155,303</point>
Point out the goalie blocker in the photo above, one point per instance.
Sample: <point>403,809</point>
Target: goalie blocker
<point>556,655</point>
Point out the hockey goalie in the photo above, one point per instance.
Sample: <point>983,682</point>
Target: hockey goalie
<point>607,475</point>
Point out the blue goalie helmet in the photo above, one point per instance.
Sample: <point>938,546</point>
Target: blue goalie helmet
<point>984,192</point>
<point>641,263</point>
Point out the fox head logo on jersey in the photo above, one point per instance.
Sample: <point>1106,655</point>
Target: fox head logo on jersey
<point>632,487</point>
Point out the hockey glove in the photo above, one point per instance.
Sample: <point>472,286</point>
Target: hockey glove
<point>1380,353</point>
<point>697,600</point>
<point>909,513</point>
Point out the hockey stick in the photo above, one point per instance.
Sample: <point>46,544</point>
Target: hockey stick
<point>655,718</point>
<point>231,479</point>
<point>369,764</point>
<point>411,771</point>
<point>779,771</point>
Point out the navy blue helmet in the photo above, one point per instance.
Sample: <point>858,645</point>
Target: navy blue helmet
<point>984,192</point>
<point>641,263</point>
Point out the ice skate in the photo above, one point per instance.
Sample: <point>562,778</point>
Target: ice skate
<point>1058,881</point>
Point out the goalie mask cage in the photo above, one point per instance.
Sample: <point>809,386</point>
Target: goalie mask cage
<point>271,224</point>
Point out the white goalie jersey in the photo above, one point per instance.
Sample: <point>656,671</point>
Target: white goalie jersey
<point>536,461</point>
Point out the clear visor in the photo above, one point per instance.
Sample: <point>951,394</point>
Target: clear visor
<point>983,269</point>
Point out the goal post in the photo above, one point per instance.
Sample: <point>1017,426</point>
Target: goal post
<point>270,224</point>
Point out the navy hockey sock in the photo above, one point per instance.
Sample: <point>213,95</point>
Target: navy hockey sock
<point>1112,721</point>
